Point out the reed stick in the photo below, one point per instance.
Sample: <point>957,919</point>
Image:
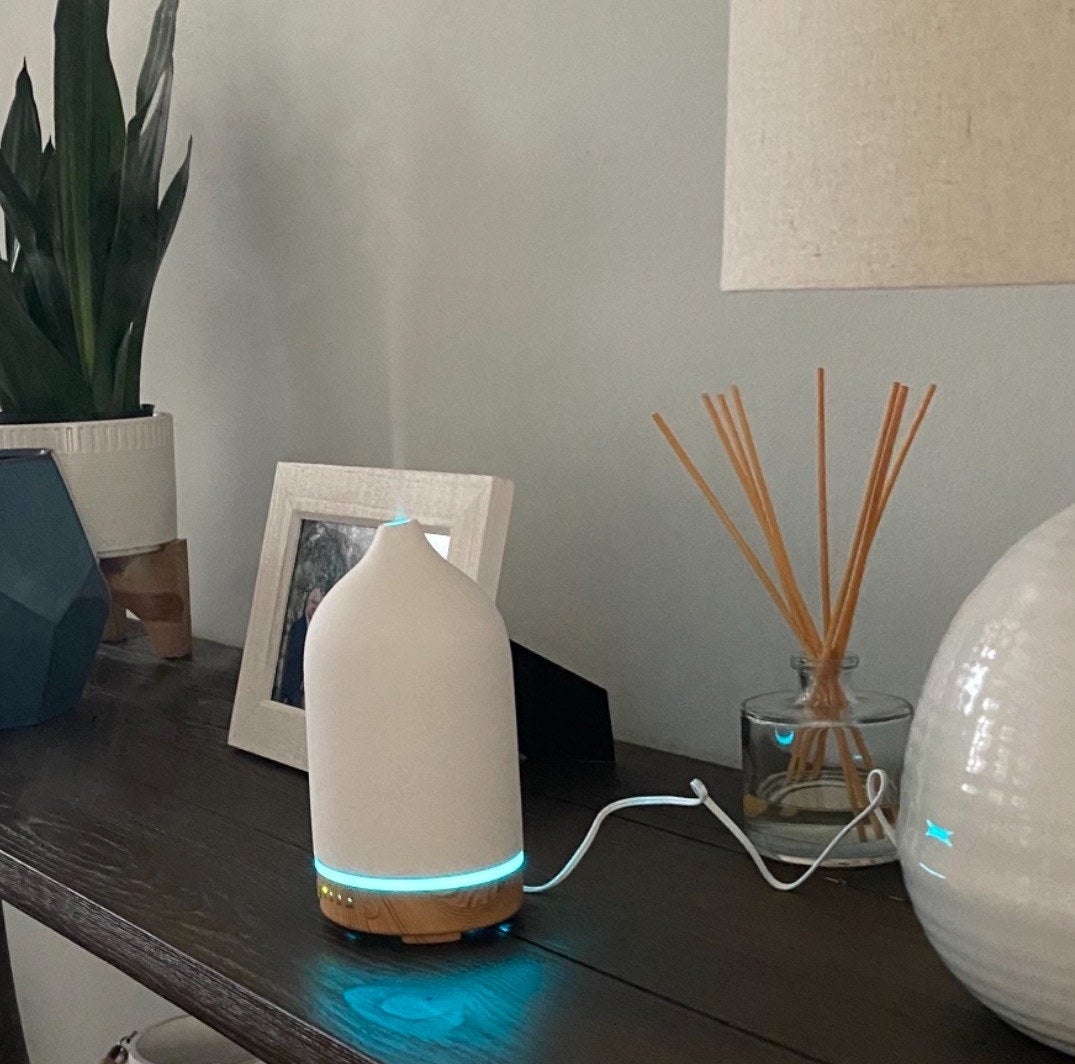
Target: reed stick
<point>827,644</point>
<point>738,463</point>
<point>791,590</point>
<point>842,624</point>
<point>823,505</point>
<point>905,449</point>
<point>733,445</point>
<point>729,524</point>
<point>767,516</point>
<point>863,518</point>
<point>751,480</point>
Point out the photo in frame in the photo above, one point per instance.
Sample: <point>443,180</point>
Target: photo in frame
<point>321,521</point>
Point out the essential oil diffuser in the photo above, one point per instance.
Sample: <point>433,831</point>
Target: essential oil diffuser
<point>414,769</point>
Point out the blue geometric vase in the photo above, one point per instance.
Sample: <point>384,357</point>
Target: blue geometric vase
<point>53,599</point>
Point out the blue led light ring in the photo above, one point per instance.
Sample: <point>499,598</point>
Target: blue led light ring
<point>421,884</point>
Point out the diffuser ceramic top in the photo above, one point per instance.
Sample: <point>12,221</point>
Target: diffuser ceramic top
<point>411,721</point>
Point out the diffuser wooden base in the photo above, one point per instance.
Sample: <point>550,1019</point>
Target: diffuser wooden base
<point>421,918</point>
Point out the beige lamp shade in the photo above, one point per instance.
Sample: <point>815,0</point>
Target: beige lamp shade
<point>889,143</point>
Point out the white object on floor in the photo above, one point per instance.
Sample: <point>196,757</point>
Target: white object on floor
<point>73,1005</point>
<point>184,1040</point>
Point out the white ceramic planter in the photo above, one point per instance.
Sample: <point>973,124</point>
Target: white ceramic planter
<point>121,476</point>
<point>987,823</point>
<point>183,1038</point>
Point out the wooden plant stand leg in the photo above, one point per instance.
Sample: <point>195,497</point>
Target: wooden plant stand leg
<point>116,625</point>
<point>155,587</point>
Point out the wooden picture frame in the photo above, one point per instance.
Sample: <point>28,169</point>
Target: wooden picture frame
<point>472,510</point>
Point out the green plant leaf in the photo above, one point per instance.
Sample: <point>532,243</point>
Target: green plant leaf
<point>89,148</point>
<point>39,285</point>
<point>45,298</point>
<point>47,206</point>
<point>158,54</point>
<point>19,210</point>
<point>8,399</point>
<point>90,225</point>
<point>38,382</point>
<point>103,219</point>
<point>167,217</point>
<point>9,396</point>
<point>20,144</point>
<point>143,229</point>
<point>118,404</point>
<point>133,258</point>
<point>172,203</point>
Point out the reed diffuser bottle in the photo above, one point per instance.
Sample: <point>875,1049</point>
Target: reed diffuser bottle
<point>808,752</point>
<point>806,755</point>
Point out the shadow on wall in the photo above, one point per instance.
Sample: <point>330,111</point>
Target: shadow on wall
<point>273,313</point>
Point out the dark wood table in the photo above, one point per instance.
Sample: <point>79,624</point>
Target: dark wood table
<point>133,829</point>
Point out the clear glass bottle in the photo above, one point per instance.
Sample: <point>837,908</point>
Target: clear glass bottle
<point>806,756</point>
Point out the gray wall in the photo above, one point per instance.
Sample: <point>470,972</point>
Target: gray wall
<point>485,237</point>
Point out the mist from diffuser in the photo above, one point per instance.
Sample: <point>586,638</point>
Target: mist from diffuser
<point>413,758</point>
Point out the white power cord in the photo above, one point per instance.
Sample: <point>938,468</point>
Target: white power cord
<point>876,782</point>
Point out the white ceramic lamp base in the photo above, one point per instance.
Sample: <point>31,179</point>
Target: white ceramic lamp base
<point>987,821</point>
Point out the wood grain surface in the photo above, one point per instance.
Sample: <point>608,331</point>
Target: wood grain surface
<point>131,827</point>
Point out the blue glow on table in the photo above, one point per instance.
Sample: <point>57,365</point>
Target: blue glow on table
<point>935,831</point>
<point>397,521</point>
<point>421,884</point>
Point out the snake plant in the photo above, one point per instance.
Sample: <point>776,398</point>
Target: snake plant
<point>85,225</point>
